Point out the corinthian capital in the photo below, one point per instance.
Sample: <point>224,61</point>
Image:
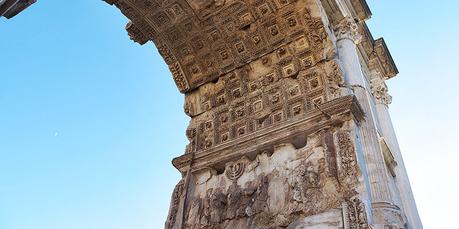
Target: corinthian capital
<point>380,92</point>
<point>348,29</point>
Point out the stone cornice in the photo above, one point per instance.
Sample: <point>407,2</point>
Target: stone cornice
<point>376,54</point>
<point>387,64</point>
<point>361,9</point>
<point>356,8</point>
<point>329,114</point>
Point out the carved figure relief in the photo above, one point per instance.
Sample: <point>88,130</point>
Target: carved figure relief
<point>305,185</point>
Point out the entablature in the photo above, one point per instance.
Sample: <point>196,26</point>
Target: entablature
<point>337,10</point>
<point>361,9</point>
<point>329,114</point>
<point>376,54</point>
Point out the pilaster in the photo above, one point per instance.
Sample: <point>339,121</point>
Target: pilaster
<point>347,38</point>
<point>382,100</point>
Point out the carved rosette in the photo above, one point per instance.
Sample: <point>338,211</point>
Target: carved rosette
<point>347,28</point>
<point>380,92</point>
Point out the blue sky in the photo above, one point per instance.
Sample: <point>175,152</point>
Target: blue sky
<point>89,120</point>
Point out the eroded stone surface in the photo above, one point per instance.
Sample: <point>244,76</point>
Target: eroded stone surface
<point>282,189</point>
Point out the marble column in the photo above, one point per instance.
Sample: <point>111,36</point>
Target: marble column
<point>381,197</point>
<point>382,100</point>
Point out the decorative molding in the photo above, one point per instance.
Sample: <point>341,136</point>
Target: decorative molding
<point>361,8</point>
<point>376,54</point>
<point>328,114</point>
<point>387,64</point>
<point>356,214</point>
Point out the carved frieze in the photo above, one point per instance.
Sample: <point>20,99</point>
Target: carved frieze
<point>267,193</point>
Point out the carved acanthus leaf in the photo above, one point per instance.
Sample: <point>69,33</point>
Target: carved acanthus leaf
<point>380,92</point>
<point>347,28</point>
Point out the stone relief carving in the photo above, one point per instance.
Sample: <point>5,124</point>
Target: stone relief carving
<point>269,192</point>
<point>175,202</point>
<point>246,101</point>
<point>357,216</point>
<point>347,159</point>
<point>234,170</point>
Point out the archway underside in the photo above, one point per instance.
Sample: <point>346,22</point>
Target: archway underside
<point>244,66</point>
<point>203,40</point>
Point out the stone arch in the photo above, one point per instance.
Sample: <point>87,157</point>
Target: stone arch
<point>203,40</point>
<point>257,74</point>
<point>262,78</point>
<point>244,66</point>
